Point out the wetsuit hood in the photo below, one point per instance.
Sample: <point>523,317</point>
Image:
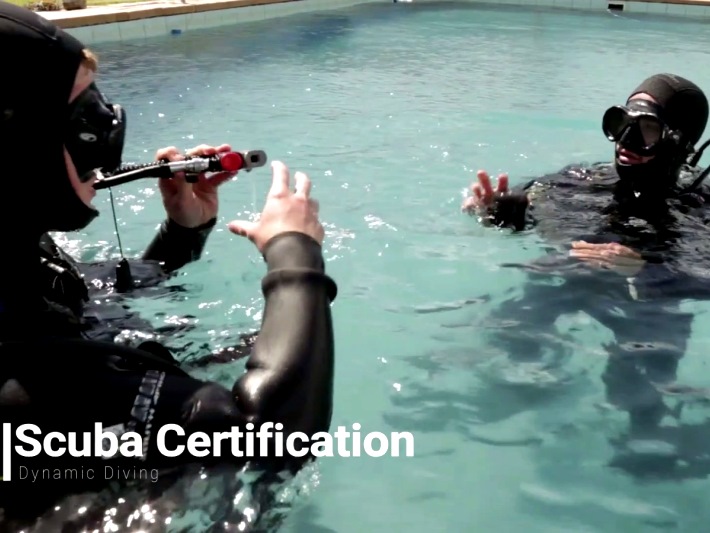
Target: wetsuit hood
<point>684,109</point>
<point>40,62</point>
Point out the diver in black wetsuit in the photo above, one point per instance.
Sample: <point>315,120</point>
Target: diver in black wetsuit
<point>56,128</point>
<point>633,230</point>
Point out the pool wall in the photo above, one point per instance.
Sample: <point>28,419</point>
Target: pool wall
<point>121,22</point>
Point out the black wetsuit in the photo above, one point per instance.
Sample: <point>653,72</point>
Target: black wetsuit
<point>60,381</point>
<point>651,332</point>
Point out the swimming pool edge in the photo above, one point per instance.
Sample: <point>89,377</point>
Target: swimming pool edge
<point>122,22</point>
<point>140,20</point>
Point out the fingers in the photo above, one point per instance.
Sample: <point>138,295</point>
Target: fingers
<point>477,191</point>
<point>171,153</point>
<point>583,245</point>
<point>485,181</point>
<point>589,254</point>
<point>280,178</point>
<point>608,248</point>
<point>207,150</point>
<point>483,190</point>
<point>606,257</point>
<point>469,205</point>
<point>243,228</point>
<point>315,206</point>
<point>303,185</point>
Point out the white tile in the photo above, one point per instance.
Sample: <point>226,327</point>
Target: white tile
<point>85,34</point>
<point>281,10</point>
<point>564,4</point>
<point>131,29</point>
<point>194,21</point>
<point>234,15</point>
<point>636,7</point>
<point>249,13</point>
<point>599,4</point>
<point>155,27</point>
<point>106,33</point>
<point>212,19</point>
<point>307,6</point>
<point>582,4</point>
<point>697,12</point>
<point>175,22</point>
<point>657,9</point>
<point>676,9</point>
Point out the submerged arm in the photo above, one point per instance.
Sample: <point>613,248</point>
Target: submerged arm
<point>175,246</point>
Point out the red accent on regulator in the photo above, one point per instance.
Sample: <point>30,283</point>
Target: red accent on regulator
<point>231,161</point>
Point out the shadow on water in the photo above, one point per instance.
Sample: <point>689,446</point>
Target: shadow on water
<point>574,435</point>
<point>475,392</point>
<point>592,475</point>
<point>589,469</point>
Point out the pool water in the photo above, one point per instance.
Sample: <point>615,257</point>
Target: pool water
<point>391,109</point>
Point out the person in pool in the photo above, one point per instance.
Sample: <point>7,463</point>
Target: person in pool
<point>57,128</point>
<point>637,233</point>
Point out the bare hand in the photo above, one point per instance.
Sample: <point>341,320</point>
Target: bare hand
<point>614,256</point>
<point>192,204</point>
<point>482,193</point>
<point>284,211</point>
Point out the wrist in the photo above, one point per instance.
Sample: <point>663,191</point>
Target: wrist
<point>174,227</point>
<point>294,258</point>
<point>293,250</point>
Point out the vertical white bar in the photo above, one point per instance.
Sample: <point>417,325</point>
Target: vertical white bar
<point>6,451</point>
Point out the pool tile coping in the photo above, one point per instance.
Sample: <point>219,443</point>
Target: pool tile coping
<point>119,22</point>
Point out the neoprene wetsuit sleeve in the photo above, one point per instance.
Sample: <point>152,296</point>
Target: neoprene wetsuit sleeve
<point>289,375</point>
<point>176,245</point>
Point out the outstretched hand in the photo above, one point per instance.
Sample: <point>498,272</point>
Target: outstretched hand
<point>482,193</point>
<point>192,204</point>
<point>284,211</point>
<point>613,256</point>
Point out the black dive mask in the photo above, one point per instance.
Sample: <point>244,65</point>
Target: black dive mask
<point>638,127</point>
<point>95,133</point>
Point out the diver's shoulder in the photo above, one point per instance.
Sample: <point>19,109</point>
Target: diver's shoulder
<point>694,180</point>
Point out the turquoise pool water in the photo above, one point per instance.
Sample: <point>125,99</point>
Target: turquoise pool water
<point>391,108</point>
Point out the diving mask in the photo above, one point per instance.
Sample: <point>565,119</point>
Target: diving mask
<point>95,133</point>
<point>637,126</point>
